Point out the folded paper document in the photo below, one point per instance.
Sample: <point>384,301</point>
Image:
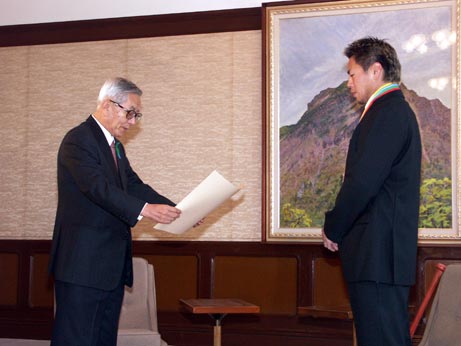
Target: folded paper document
<point>206,197</point>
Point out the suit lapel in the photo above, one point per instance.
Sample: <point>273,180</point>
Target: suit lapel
<point>104,148</point>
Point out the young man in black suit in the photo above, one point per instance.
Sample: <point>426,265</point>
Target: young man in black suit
<point>100,198</point>
<point>374,223</point>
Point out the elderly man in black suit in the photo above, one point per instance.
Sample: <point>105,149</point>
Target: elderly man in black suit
<point>374,223</point>
<point>100,198</point>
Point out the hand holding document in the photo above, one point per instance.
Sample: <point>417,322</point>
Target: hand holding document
<point>206,197</point>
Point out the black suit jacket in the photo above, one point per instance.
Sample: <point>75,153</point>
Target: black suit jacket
<point>96,208</point>
<point>375,217</point>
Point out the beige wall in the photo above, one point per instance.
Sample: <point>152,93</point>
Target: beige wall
<point>202,111</point>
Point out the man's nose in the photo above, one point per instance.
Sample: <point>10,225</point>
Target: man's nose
<point>349,83</point>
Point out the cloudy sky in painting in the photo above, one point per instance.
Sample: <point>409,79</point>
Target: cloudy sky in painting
<point>311,52</point>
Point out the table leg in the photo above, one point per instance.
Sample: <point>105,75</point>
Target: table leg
<point>217,335</point>
<point>217,328</point>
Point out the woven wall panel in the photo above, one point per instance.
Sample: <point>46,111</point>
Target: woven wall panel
<point>202,107</point>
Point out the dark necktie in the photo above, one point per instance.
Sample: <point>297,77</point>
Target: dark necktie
<point>112,148</point>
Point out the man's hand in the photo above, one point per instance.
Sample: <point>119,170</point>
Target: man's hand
<point>161,213</point>
<point>328,243</point>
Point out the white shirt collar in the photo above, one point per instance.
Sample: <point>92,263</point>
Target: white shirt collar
<point>107,134</point>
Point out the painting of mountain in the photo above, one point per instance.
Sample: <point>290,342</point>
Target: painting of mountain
<point>313,152</point>
<point>311,115</point>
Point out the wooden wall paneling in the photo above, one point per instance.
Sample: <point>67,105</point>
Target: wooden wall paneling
<point>205,280</point>
<point>329,286</point>
<point>9,282</point>
<point>329,294</point>
<point>131,27</point>
<point>270,282</point>
<point>176,277</point>
<point>41,285</point>
<point>23,320</point>
<point>305,279</point>
<point>180,266</point>
<point>263,329</point>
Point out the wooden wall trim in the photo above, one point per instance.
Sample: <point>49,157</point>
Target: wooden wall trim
<point>32,317</point>
<point>178,328</point>
<point>131,27</point>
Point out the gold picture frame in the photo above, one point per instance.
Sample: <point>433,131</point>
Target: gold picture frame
<point>304,65</point>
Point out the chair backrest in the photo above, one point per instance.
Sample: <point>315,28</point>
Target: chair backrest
<point>442,328</point>
<point>139,308</point>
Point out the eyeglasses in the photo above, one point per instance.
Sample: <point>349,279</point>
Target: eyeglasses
<point>130,113</point>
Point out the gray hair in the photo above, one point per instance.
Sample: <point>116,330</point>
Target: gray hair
<point>117,89</point>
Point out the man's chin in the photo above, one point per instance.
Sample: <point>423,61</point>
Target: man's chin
<point>120,132</point>
<point>359,101</point>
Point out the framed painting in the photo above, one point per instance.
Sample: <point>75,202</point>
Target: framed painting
<point>309,115</point>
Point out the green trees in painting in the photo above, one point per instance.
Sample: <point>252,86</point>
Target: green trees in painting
<point>293,217</point>
<point>435,208</point>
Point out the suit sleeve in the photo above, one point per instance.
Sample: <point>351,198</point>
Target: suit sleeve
<point>380,140</point>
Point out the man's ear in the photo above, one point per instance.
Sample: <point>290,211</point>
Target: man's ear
<point>105,108</point>
<point>377,71</point>
<point>105,104</point>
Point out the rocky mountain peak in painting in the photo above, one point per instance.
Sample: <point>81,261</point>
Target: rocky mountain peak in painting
<point>313,151</point>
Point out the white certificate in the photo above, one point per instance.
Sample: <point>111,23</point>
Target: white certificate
<point>206,197</point>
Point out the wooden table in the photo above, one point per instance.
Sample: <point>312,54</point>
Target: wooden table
<point>218,309</point>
